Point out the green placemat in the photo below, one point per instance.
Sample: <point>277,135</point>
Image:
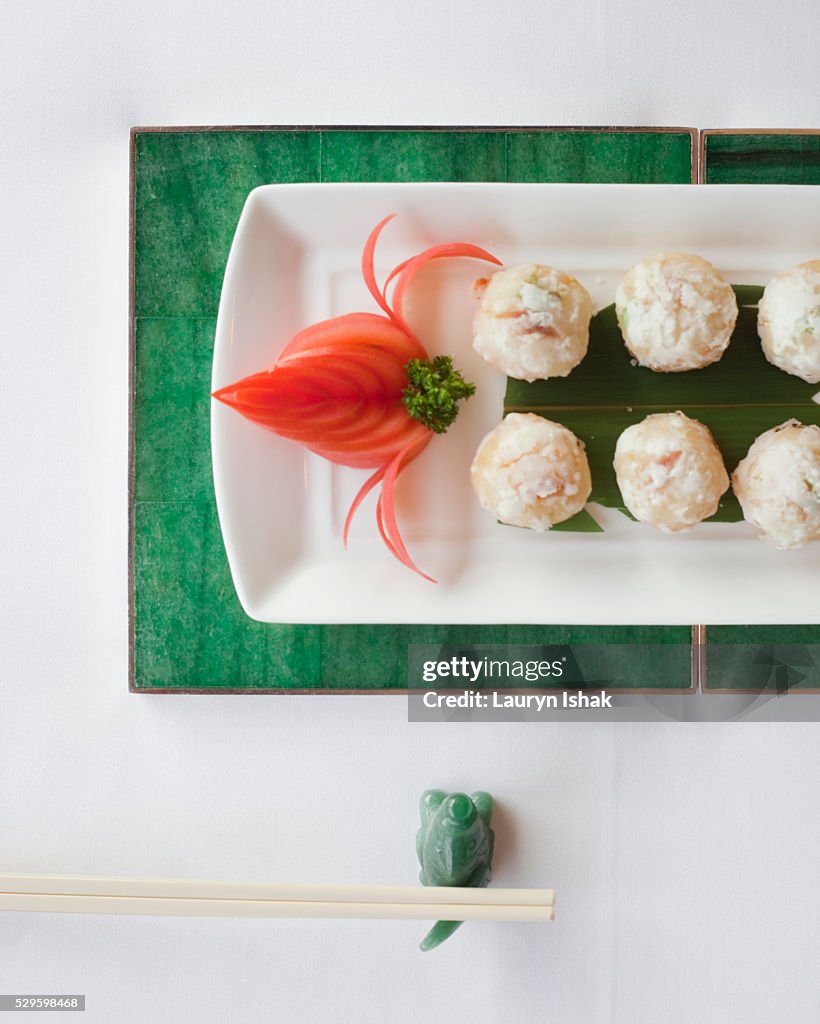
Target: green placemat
<point>770,657</point>
<point>188,631</point>
<point>775,659</point>
<point>761,158</point>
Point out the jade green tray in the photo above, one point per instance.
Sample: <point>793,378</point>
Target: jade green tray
<point>187,630</point>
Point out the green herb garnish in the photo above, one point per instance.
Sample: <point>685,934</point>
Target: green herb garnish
<point>433,392</point>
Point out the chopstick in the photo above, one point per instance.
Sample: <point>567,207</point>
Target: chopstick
<point>187,898</point>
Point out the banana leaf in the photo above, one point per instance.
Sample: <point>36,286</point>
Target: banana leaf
<point>737,398</point>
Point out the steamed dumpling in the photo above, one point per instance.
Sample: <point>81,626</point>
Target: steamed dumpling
<point>788,321</point>
<point>670,471</point>
<point>532,322</point>
<point>675,312</point>
<point>778,485</point>
<point>529,471</point>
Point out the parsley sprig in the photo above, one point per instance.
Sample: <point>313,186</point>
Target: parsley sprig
<point>433,392</point>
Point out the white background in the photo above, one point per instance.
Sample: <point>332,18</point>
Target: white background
<point>685,856</point>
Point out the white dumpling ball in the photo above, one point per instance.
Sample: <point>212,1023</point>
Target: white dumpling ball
<point>529,471</point>
<point>788,321</point>
<point>675,312</point>
<point>670,471</point>
<point>532,322</point>
<point>778,485</point>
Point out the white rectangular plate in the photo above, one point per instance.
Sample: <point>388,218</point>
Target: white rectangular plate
<point>295,259</point>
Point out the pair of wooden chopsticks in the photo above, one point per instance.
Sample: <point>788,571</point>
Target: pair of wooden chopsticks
<point>185,898</point>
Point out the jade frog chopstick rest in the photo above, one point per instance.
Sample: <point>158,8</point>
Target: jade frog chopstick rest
<point>454,846</point>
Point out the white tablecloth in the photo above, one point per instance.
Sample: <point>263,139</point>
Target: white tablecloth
<point>685,856</point>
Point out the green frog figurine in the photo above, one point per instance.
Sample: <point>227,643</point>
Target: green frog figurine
<point>454,846</point>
